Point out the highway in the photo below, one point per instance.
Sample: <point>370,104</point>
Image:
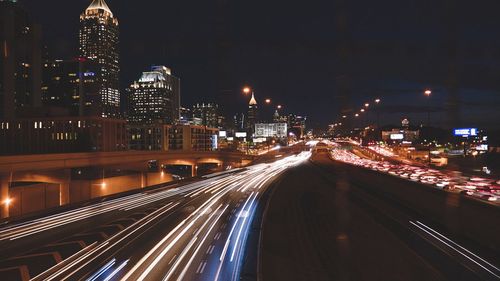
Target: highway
<point>192,232</point>
<point>486,189</point>
<point>325,219</point>
<point>329,220</point>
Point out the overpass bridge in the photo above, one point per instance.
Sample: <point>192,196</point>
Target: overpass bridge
<point>34,182</point>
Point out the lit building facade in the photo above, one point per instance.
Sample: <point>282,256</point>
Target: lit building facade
<point>297,124</point>
<point>72,85</point>
<point>155,97</point>
<point>192,138</point>
<point>20,68</point>
<point>98,38</point>
<point>62,135</point>
<point>209,114</point>
<point>159,137</point>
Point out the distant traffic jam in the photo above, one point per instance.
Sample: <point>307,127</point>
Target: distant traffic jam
<point>481,188</point>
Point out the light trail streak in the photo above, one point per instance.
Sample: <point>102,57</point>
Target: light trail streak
<point>483,264</point>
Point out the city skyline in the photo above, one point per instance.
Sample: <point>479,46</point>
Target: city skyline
<point>312,140</point>
<point>209,84</point>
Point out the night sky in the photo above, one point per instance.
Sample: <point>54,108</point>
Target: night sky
<point>314,57</point>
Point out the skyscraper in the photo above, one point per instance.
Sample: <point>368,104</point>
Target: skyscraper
<point>99,42</point>
<point>20,68</point>
<point>72,85</point>
<point>155,97</point>
<point>253,114</point>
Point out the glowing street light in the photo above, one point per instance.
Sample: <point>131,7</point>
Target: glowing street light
<point>268,101</point>
<point>247,90</point>
<point>279,106</point>
<point>344,116</point>
<point>356,115</point>
<point>367,104</point>
<point>377,101</point>
<point>362,110</point>
<point>428,92</point>
<point>7,201</point>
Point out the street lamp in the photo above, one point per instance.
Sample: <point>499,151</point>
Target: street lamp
<point>268,101</point>
<point>428,93</point>
<point>377,100</point>
<point>247,90</point>
<point>367,104</point>
<point>7,201</point>
<point>279,106</point>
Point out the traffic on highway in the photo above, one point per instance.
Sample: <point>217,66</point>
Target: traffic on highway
<point>477,187</point>
<point>193,232</point>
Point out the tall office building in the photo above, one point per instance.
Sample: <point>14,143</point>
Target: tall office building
<point>253,114</point>
<point>239,121</point>
<point>99,42</point>
<point>155,97</point>
<point>71,85</point>
<point>20,68</point>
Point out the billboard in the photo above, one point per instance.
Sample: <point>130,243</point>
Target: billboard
<point>222,134</point>
<point>240,134</point>
<point>397,136</point>
<point>465,132</point>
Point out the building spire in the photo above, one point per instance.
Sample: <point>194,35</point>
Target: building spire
<point>252,100</point>
<point>99,5</point>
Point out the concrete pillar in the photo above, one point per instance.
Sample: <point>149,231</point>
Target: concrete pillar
<point>144,179</point>
<point>194,170</point>
<point>4,195</point>
<point>63,193</point>
<point>64,185</point>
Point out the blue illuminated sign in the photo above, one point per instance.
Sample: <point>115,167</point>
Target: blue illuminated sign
<point>465,132</point>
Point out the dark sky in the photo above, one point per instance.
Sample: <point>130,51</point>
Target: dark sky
<point>314,57</point>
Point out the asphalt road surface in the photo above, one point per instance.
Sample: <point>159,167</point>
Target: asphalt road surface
<point>321,226</point>
<point>196,231</point>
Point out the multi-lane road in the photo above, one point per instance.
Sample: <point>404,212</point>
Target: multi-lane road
<point>322,220</point>
<point>193,232</point>
<point>328,220</point>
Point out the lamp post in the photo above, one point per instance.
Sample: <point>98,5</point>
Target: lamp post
<point>377,102</point>
<point>428,93</point>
